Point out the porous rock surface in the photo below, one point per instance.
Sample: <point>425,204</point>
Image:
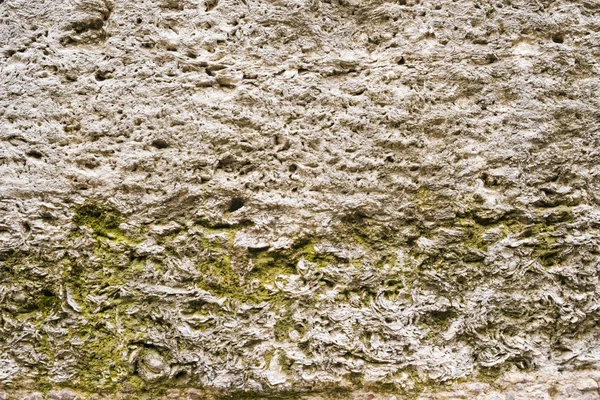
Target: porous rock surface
<point>299,199</point>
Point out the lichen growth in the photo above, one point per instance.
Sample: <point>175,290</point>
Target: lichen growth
<point>102,218</point>
<point>101,294</point>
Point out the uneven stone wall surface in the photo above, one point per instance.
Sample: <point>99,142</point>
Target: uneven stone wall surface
<point>379,199</point>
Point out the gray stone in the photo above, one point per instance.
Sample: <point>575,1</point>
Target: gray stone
<point>34,396</point>
<point>63,394</point>
<point>587,385</point>
<point>285,196</point>
<point>510,396</point>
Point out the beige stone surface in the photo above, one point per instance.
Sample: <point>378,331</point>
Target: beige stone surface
<point>299,199</point>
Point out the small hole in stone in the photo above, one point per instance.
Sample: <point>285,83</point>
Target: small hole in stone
<point>328,283</point>
<point>210,4</point>
<point>160,144</point>
<point>293,168</point>
<point>181,375</point>
<point>558,38</point>
<point>34,154</point>
<point>139,20</point>
<point>101,75</point>
<point>236,204</point>
<point>402,61</point>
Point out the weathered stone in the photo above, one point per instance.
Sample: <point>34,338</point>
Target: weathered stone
<point>63,394</point>
<point>587,385</point>
<point>152,366</point>
<point>33,396</point>
<point>312,199</point>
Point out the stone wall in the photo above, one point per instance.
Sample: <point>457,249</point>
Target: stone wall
<point>299,199</point>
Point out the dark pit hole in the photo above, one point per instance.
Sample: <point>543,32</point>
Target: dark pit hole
<point>303,345</point>
<point>558,38</point>
<point>389,159</point>
<point>46,216</point>
<point>210,4</point>
<point>402,61</point>
<point>180,376</point>
<point>138,20</point>
<point>101,75</point>
<point>235,204</point>
<point>34,154</point>
<point>328,283</point>
<point>160,144</point>
<point>88,25</point>
<point>293,168</point>
<point>563,281</point>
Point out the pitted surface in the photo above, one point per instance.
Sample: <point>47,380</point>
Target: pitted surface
<point>299,198</point>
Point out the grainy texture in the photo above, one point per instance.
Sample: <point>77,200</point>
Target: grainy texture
<point>303,199</point>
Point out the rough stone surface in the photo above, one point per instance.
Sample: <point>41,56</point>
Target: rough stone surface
<point>304,198</point>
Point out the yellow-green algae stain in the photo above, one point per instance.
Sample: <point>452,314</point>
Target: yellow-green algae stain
<point>102,366</point>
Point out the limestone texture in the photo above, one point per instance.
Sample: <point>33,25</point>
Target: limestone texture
<point>303,199</point>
